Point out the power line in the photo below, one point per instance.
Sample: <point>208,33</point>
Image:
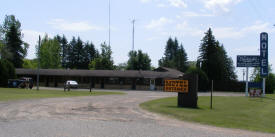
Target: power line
<point>260,15</point>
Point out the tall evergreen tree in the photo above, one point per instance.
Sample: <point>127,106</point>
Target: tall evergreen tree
<point>14,46</point>
<point>207,55</point>
<point>14,49</point>
<point>214,60</point>
<point>78,51</point>
<point>8,22</point>
<point>181,59</point>
<point>76,54</point>
<point>90,53</point>
<point>71,57</point>
<point>174,56</point>
<point>64,51</point>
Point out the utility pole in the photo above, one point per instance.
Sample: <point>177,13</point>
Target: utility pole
<point>38,65</point>
<point>133,46</point>
<point>243,74</point>
<point>109,22</point>
<point>246,84</point>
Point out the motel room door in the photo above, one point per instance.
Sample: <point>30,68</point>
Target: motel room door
<point>152,84</point>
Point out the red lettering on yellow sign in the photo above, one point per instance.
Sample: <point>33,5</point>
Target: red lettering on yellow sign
<point>176,86</point>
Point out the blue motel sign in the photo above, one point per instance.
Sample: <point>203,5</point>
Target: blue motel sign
<point>264,54</point>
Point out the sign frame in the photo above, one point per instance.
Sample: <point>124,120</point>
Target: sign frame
<point>248,61</point>
<point>176,86</point>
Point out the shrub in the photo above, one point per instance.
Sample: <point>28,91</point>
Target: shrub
<point>7,71</point>
<point>203,79</point>
<point>270,83</point>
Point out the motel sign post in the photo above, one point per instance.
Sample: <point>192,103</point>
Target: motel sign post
<point>256,61</point>
<point>248,61</point>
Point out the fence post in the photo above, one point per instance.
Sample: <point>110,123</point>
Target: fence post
<point>211,98</point>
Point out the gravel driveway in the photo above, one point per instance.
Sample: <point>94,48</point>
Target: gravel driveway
<point>101,116</point>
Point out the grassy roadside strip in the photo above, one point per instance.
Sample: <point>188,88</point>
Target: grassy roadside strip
<point>7,94</point>
<point>256,114</point>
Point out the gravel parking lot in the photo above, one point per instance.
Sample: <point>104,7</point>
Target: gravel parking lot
<point>101,116</point>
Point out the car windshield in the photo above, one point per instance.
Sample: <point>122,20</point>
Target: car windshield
<point>72,82</point>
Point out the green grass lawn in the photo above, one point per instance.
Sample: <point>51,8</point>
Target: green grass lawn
<point>16,94</point>
<point>257,114</point>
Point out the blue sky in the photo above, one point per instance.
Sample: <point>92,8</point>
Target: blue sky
<point>235,23</point>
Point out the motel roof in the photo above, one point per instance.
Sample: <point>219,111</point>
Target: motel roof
<point>161,72</point>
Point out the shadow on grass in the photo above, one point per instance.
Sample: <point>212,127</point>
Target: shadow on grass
<point>197,108</point>
<point>269,98</point>
<point>260,99</point>
<point>256,99</point>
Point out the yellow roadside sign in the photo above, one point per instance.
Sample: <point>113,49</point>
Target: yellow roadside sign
<point>176,86</point>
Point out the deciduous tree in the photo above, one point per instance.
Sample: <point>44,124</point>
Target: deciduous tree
<point>138,61</point>
<point>49,53</point>
<point>104,61</point>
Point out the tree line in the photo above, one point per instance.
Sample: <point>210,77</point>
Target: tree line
<point>58,52</point>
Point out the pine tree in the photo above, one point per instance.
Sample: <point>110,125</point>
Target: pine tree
<point>181,59</point>
<point>14,46</point>
<point>78,50</point>
<point>64,51</point>
<point>71,57</point>
<point>174,56</point>
<point>207,54</point>
<point>214,60</point>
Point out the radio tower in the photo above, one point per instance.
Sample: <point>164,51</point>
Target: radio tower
<point>133,46</point>
<point>109,23</point>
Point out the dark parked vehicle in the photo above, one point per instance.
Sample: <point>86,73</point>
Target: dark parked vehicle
<point>23,82</point>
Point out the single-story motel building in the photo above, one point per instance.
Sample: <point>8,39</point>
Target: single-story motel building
<point>104,79</point>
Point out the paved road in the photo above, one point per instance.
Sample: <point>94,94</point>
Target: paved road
<point>101,116</point>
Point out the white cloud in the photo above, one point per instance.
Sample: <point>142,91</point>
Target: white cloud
<point>235,33</point>
<point>178,3</point>
<point>153,38</point>
<point>194,14</point>
<point>145,1</point>
<point>227,32</point>
<point>81,26</point>
<point>166,3</point>
<point>178,30</point>
<point>188,30</point>
<point>159,23</point>
<point>182,26</point>
<point>222,5</point>
<point>246,50</point>
<point>31,37</point>
<point>161,5</point>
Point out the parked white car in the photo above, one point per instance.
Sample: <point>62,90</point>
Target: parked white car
<point>71,84</point>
